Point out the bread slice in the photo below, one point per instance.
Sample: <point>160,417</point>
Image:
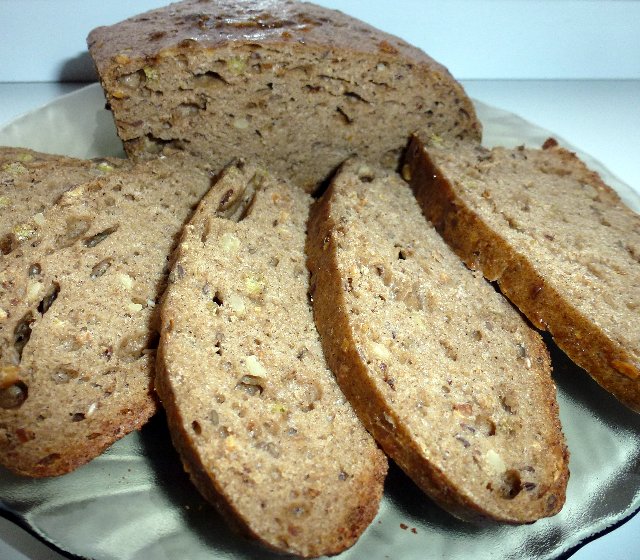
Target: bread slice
<point>298,85</point>
<point>445,374</point>
<point>259,421</point>
<point>31,182</point>
<point>78,314</point>
<point>559,242</point>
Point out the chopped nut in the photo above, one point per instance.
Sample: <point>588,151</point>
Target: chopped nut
<point>237,65</point>
<point>134,307</point>
<point>495,462</point>
<point>4,202</point>
<point>254,366</point>
<point>236,303</point>
<point>150,73</point>
<point>33,291</point>
<point>24,232</point>
<point>380,351</point>
<point>406,172</point>
<point>241,123</point>
<point>3,314</point>
<point>254,286</point>
<point>39,219</point>
<point>14,168</point>
<point>229,243</point>
<point>105,167</point>
<point>25,157</point>
<point>126,280</point>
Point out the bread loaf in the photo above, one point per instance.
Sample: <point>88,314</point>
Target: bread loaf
<point>78,314</point>
<point>260,423</point>
<point>445,374</point>
<point>300,86</point>
<point>30,182</point>
<point>559,242</point>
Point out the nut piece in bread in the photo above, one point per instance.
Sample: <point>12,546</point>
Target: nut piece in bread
<point>440,368</point>
<point>259,421</point>
<point>560,243</point>
<point>79,316</point>
<point>298,85</point>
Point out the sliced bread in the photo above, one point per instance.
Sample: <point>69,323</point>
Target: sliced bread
<point>30,182</point>
<point>78,315</point>
<point>298,85</point>
<point>440,368</point>
<point>260,423</point>
<point>559,242</point>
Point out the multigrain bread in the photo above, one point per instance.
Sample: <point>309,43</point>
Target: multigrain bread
<point>300,86</point>
<point>30,182</point>
<point>78,314</point>
<point>559,242</point>
<point>445,374</point>
<point>261,425</point>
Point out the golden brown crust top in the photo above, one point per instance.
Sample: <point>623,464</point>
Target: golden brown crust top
<point>215,23</point>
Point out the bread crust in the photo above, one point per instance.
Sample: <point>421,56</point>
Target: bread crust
<point>375,407</point>
<point>483,248</point>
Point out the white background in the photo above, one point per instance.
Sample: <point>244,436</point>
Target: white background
<point>44,40</point>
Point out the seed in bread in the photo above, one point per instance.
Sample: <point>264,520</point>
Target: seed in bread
<point>559,242</point>
<point>298,85</point>
<point>260,423</point>
<point>440,368</point>
<point>78,314</point>
<point>30,182</point>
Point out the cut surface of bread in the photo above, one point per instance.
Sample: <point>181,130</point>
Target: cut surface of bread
<point>440,368</point>
<point>78,314</point>
<point>298,85</point>
<point>261,425</point>
<point>559,242</point>
<point>30,182</point>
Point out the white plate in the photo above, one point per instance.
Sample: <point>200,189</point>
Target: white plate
<point>134,502</point>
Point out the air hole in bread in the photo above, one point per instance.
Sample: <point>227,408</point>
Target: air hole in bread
<point>22,333</point>
<point>47,301</point>
<point>196,427</point>
<point>14,396</point>
<point>77,416</point>
<point>217,298</point>
<point>511,484</point>
<point>485,425</point>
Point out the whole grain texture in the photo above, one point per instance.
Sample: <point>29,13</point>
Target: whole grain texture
<point>31,182</point>
<point>440,368</point>
<point>300,86</point>
<point>78,314</point>
<point>559,242</point>
<point>261,425</point>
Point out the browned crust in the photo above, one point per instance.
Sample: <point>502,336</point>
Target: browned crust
<point>217,23</point>
<point>110,432</point>
<point>331,317</point>
<point>484,249</point>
